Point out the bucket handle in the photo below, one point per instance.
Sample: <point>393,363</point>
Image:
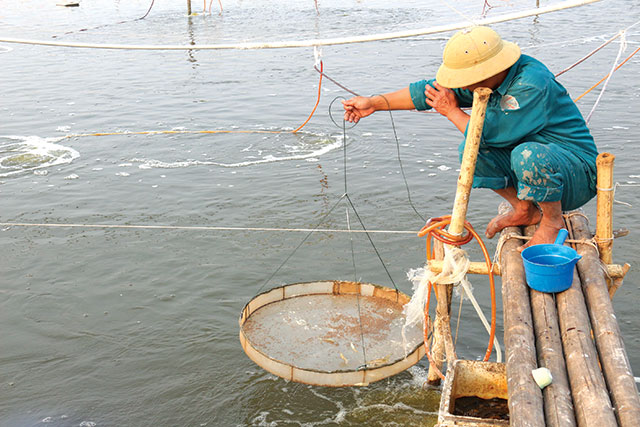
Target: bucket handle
<point>562,236</point>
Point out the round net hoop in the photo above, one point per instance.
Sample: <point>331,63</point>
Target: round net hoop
<point>330,333</point>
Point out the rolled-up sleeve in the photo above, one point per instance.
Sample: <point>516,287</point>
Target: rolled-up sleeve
<point>416,90</point>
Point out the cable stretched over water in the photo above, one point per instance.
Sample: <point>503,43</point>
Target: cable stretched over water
<point>196,228</point>
<point>567,4</point>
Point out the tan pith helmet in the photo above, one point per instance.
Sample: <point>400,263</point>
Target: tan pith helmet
<point>471,56</point>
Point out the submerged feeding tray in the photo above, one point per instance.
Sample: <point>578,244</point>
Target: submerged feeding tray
<point>330,333</point>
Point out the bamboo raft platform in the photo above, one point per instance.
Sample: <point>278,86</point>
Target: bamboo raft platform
<point>574,334</point>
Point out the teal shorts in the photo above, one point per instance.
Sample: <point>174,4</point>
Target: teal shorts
<point>539,172</point>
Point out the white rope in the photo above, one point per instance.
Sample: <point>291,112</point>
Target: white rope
<point>468,18</point>
<point>567,4</point>
<point>623,46</point>
<point>615,187</point>
<point>467,289</point>
<point>196,228</point>
<point>454,270</point>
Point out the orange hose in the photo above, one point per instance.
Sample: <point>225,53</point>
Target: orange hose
<point>435,228</point>
<point>317,102</point>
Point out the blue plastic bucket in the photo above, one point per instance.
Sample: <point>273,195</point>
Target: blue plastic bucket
<point>549,267</point>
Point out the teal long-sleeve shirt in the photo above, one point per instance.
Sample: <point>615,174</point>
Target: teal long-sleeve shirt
<point>529,106</point>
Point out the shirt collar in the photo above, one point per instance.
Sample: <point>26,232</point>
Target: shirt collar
<point>502,89</point>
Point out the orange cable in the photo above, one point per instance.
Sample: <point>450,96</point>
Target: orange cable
<point>605,77</point>
<point>317,102</point>
<point>434,228</point>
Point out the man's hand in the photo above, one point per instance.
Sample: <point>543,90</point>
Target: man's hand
<point>441,99</point>
<point>357,108</point>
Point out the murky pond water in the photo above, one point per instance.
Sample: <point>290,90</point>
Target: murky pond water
<point>139,326</point>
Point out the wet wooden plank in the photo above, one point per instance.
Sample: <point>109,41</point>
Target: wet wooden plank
<point>558,404</point>
<point>525,397</point>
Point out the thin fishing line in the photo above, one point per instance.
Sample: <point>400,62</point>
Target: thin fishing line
<point>371,241</point>
<point>623,46</point>
<point>335,82</point>
<point>364,352</point>
<point>110,24</point>
<point>145,15</point>
<point>301,243</point>
<point>395,135</point>
<point>346,194</point>
<point>355,279</point>
<point>404,177</point>
<point>194,228</point>
<point>342,126</point>
<point>464,16</point>
<point>344,153</point>
<point>353,254</point>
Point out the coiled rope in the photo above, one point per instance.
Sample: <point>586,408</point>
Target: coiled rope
<point>434,228</point>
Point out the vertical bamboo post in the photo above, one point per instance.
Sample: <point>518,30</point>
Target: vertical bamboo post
<point>437,347</point>
<point>469,158</point>
<point>188,7</point>
<point>613,356</point>
<point>526,406</point>
<point>442,325</point>
<point>604,217</point>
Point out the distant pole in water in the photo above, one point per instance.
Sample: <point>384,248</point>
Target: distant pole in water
<point>188,7</point>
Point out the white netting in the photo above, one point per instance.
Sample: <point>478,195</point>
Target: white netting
<point>454,271</point>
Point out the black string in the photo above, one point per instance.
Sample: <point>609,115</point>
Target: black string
<point>404,177</point>
<point>345,195</point>
<point>301,243</point>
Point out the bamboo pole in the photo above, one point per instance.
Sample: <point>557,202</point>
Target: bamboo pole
<point>188,7</point>
<point>525,397</point>
<point>613,356</point>
<point>469,158</point>
<point>588,388</point>
<point>442,324</point>
<point>604,206</point>
<point>437,347</point>
<point>558,405</point>
<point>615,271</point>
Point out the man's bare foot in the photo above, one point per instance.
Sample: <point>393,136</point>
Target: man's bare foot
<point>550,224</point>
<point>544,234</point>
<point>525,213</point>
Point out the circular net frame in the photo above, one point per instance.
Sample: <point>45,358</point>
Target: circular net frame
<point>330,333</point>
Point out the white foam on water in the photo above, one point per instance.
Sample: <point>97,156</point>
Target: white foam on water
<point>308,152</point>
<point>19,154</point>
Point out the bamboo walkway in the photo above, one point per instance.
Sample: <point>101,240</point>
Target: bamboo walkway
<point>575,335</point>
